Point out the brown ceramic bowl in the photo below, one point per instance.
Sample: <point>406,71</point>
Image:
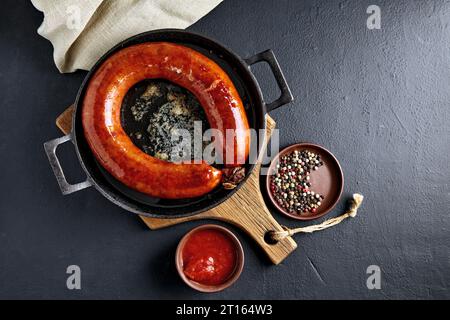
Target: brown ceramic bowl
<point>328,180</point>
<point>211,288</point>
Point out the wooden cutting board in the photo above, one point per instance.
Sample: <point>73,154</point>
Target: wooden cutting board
<point>246,209</point>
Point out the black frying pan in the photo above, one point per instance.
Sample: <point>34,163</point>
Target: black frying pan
<point>239,71</point>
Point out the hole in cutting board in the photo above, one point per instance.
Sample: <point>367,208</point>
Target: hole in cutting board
<point>268,238</point>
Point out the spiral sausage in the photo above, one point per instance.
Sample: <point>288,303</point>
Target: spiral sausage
<point>185,67</point>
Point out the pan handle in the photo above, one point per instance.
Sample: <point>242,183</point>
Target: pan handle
<point>50,149</point>
<point>286,94</point>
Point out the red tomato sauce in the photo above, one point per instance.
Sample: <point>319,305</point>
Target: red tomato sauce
<point>209,257</point>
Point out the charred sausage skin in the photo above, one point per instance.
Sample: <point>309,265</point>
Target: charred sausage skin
<point>185,67</point>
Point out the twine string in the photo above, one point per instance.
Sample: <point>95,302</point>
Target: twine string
<point>355,203</point>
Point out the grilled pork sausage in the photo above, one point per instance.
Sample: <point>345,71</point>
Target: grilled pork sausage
<point>187,68</point>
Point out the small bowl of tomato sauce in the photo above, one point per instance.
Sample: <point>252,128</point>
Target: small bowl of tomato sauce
<point>209,258</point>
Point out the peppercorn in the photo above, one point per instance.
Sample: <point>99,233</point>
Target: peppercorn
<point>290,182</point>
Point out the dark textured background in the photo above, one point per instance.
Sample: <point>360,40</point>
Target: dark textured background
<point>378,99</point>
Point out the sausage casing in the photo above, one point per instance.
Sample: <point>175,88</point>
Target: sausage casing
<point>185,67</point>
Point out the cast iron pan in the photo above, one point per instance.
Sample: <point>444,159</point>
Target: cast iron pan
<point>239,71</point>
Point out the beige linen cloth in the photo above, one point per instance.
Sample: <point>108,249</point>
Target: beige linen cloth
<point>81,31</point>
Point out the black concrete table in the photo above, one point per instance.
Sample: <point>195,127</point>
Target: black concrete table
<point>379,99</point>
